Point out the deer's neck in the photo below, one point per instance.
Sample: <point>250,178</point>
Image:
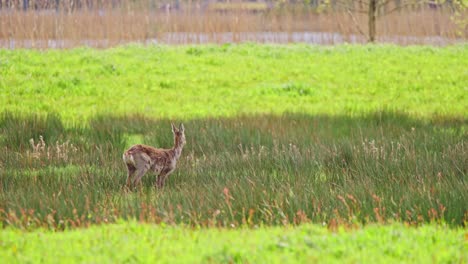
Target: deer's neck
<point>177,149</point>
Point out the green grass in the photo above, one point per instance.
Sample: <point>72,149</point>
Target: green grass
<point>224,81</point>
<point>136,243</point>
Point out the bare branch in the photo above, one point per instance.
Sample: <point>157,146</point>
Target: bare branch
<point>383,3</point>
<point>349,8</point>
<point>361,2</point>
<point>406,4</point>
<point>357,24</point>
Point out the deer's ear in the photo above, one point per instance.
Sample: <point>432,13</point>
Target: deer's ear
<point>181,128</point>
<point>174,129</point>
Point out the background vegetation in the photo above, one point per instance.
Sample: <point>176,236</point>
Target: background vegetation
<point>70,23</point>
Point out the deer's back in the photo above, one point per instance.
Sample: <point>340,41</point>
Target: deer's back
<point>152,155</point>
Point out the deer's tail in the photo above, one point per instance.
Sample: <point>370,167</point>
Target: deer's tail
<point>128,158</point>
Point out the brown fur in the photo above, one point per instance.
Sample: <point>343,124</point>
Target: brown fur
<point>141,159</point>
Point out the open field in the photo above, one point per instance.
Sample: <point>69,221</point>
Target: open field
<point>224,81</point>
<point>371,133</point>
<point>136,243</point>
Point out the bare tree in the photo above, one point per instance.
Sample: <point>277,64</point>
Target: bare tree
<point>375,9</point>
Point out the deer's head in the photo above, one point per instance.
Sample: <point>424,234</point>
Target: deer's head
<point>179,135</point>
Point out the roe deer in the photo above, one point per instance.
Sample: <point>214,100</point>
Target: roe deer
<point>141,158</point>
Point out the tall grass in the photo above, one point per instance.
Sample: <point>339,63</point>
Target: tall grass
<point>106,26</point>
<point>248,170</point>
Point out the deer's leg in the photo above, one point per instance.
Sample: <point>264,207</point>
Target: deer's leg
<point>131,170</point>
<point>138,175</point>
<point>142,165</point>
<point>159,183</point>
<point>162,178</point>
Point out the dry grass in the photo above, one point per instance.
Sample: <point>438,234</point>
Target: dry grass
<point>108,27</point>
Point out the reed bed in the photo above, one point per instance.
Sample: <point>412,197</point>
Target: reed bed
<point>192,24</point>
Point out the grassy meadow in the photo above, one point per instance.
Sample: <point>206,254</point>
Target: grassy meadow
<point>141,243</point>
<point>188,82</point>
<point>345,136</point>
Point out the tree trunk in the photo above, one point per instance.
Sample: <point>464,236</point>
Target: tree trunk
<point>372,19</point>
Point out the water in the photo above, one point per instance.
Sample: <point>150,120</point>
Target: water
<point>318,38</point>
